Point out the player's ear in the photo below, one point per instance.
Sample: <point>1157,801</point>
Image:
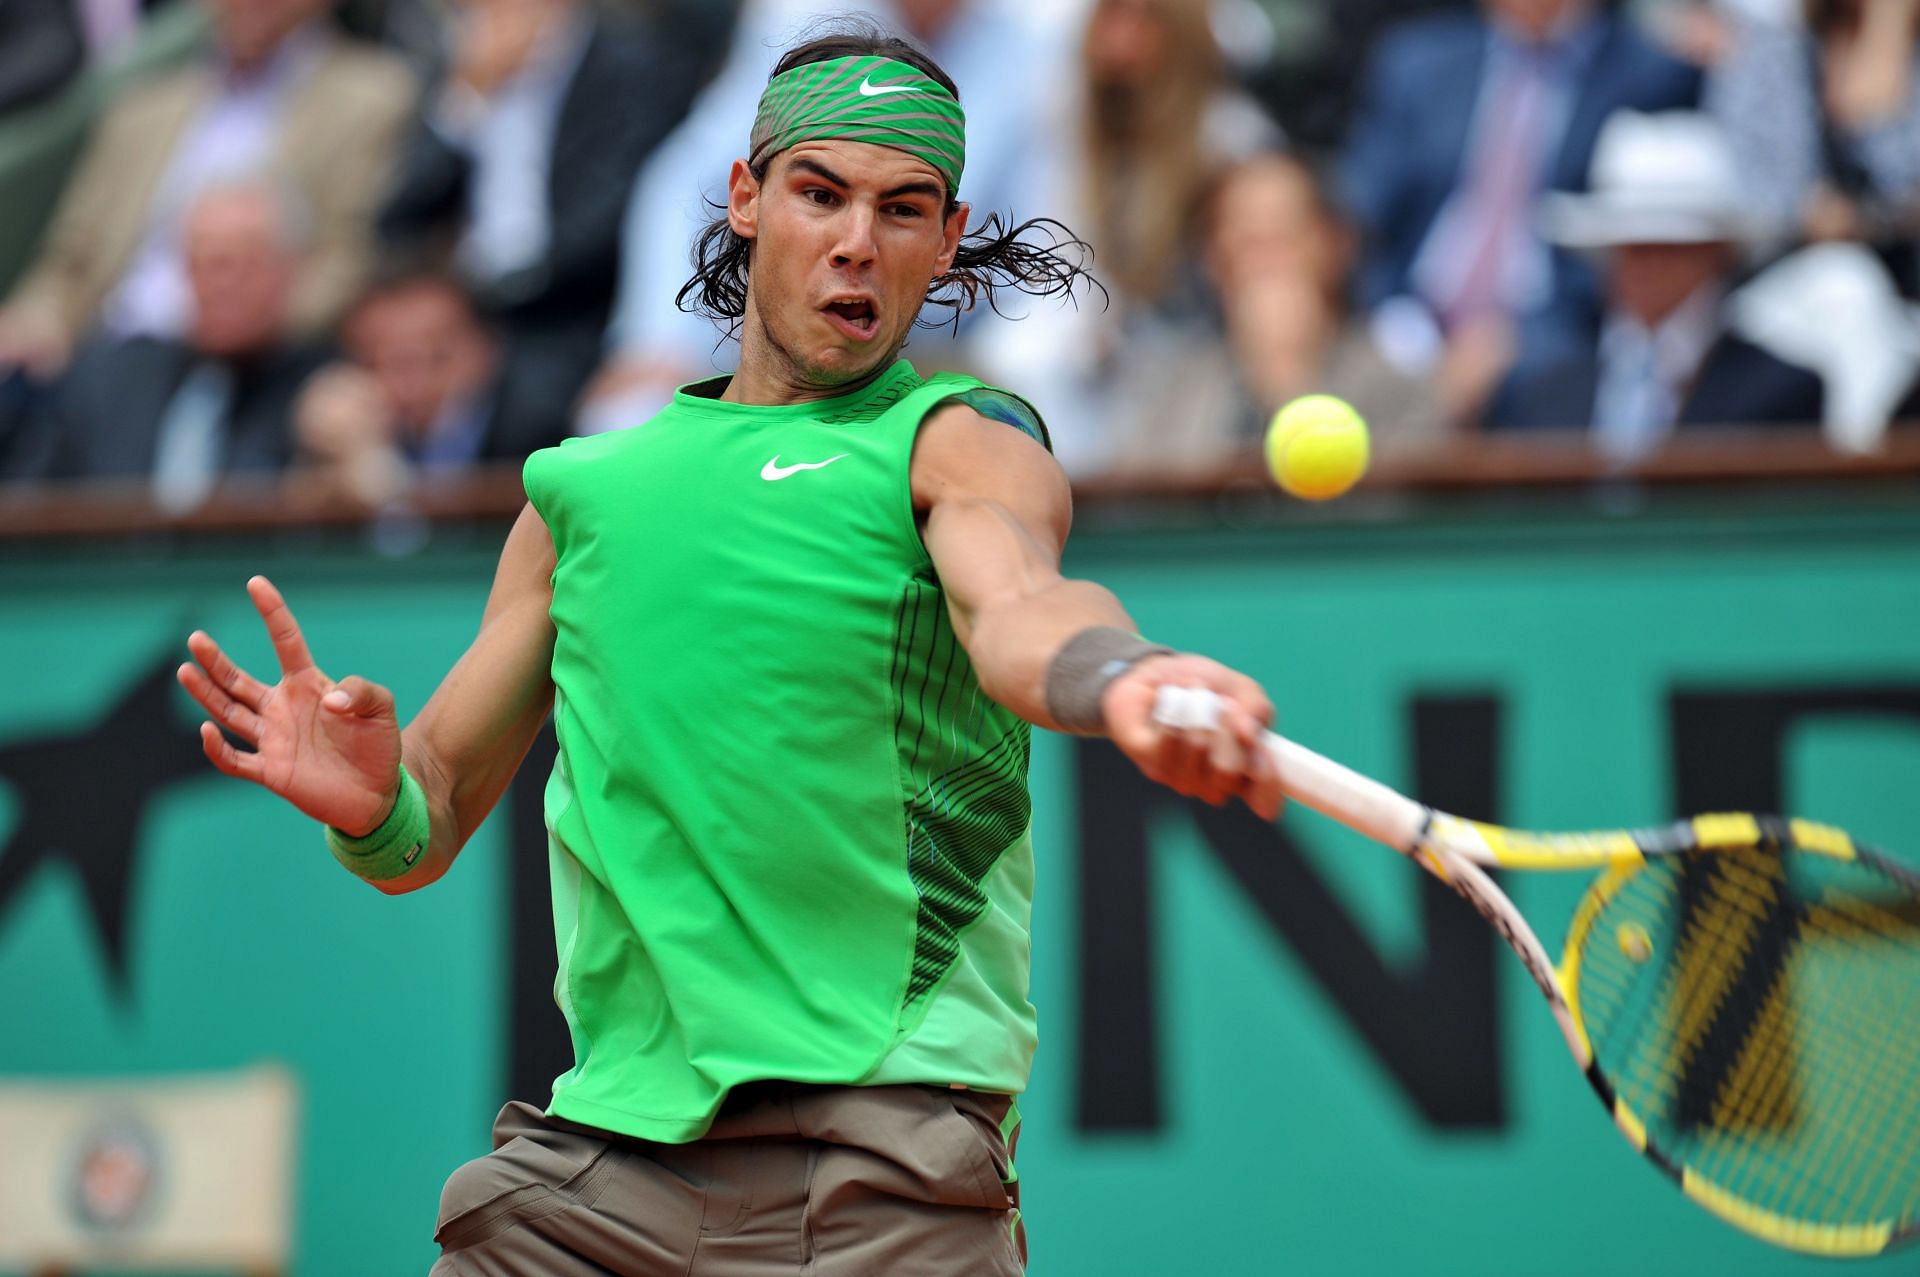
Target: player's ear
<point>743,200</point>
<point>955,227</point>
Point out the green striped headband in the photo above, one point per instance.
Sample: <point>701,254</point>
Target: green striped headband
<point>863,99</point>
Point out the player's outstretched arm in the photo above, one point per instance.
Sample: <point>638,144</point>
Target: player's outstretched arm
<point>995,510</point>
<point>334,749</point>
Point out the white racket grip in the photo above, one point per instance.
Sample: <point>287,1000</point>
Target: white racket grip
<point>1339,793</point>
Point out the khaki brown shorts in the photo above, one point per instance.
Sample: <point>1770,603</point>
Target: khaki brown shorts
<point>807,1181</point>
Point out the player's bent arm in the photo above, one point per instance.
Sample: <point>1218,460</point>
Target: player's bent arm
<point>465,745</point>
<point>995,510</point>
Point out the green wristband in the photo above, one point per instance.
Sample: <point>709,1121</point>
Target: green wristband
<point>396,846</point>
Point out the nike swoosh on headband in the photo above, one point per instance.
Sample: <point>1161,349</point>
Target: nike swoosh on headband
<point>868,89</point>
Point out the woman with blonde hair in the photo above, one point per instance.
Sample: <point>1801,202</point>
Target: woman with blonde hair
<point>1158,119</point>
<point>1153,119</point>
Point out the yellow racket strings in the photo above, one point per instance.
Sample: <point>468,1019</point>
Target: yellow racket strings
<point>1760,1013</point>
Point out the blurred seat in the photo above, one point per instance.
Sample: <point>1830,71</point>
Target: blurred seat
<point>145,1173</point>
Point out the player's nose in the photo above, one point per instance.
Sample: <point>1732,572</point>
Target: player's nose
<point>854,244</point>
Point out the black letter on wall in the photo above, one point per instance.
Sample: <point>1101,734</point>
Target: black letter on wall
<point>1435,1028</point>
<point>1729,747</point>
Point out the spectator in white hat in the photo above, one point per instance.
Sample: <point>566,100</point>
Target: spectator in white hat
<point>1665,219</point>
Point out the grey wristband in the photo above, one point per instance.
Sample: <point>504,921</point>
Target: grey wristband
<point>1083,667</point>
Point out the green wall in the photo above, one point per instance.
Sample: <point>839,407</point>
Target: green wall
<point>1283,1143</point>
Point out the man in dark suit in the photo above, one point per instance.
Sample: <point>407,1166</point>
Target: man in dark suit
<point>183,412</point>
<point>414,394</point>
<point>1464,120</point>
<point>521,170</point>
<point>1664,218</point>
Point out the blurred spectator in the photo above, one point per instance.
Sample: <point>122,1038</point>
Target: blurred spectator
<point>701,32</point>
<point>42,46</point>
<point>1699,30</point>
<point>1824,119</point>
<point>521,169</point>
<point>415,394</point>
<point>184,411</point>
<point>411,28</point>
<point>1006,56</point>
<point>279,90</point>
<point>1153,118</point>
<point>40,142</point>
<point>1464,121</point>
<point>1277,258</point>
<point>1158,121</point>
<point>1666,213</point>
<point>1318,51</point>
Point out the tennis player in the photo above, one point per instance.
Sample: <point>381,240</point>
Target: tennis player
<point>792,632</point>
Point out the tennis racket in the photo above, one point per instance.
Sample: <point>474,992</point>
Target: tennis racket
<point>1743,993</point>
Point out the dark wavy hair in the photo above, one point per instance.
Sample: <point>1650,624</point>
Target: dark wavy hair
<point>997,256</point>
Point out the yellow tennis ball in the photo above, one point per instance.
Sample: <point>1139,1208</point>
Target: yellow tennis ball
<point>1635,942</point>
<point>1317,447</point>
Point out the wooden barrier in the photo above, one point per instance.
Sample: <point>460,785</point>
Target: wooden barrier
<point>1544,461</point>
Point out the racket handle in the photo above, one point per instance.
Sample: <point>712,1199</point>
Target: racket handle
<point>1336,792</point>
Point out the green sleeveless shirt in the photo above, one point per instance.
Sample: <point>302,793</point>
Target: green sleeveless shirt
<point>788,832</point>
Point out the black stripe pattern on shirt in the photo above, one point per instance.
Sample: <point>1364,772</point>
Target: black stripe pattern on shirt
<point>964,765</point>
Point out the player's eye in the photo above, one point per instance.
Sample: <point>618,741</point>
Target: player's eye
<point>819,195</point>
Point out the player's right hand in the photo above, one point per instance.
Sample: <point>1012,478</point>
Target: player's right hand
<point>1213,765</point>
<point>331,749</point>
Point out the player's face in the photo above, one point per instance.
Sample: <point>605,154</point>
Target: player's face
<point>846,238</point>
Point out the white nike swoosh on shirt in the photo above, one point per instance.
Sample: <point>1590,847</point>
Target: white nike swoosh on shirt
<point>773,470</point>
<point>868,89</point>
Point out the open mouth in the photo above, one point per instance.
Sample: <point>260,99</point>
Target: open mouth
<point>854,316</point>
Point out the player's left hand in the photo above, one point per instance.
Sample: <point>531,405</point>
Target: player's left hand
<point>1214,765</point>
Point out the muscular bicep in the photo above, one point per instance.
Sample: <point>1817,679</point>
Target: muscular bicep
<point>994,511</point>
<point>481,721</point>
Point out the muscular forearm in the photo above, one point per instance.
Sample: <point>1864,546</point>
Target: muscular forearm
<point>462,766</point>
<point>999,563</point>
<point>474,732</point>
<point>1062,653</point>
<point>458,799</point>
<point>1013,643</point>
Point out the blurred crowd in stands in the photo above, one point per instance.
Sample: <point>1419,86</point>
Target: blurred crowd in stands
<point>378,238</point>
